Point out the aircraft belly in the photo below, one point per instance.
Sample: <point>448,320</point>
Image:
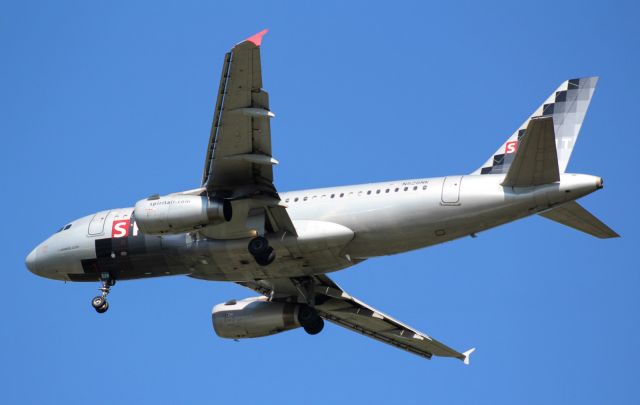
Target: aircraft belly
<point>317,249</point>
<point>230,261</point>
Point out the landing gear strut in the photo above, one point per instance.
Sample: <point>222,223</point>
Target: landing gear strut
<point>261,251</point>
<point>99,302</point>
<point>310,320</point>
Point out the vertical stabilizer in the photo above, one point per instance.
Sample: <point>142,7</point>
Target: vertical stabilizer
<point>567,106</point>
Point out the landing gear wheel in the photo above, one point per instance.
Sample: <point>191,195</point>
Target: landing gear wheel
<point>267,258</point>
<point>103,308</point>
<point>310,320</point>
<point>306,315</point>
<point>98,302</point>
<point>258,246</point>
<point>315,327</point>
<point>261,251</point>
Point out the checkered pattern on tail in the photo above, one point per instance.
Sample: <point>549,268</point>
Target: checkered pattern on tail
<point>568,105</point>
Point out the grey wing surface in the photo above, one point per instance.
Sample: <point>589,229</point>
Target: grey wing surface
<point>340,308</point>
<point>238,162</point>
<point>239,152</point>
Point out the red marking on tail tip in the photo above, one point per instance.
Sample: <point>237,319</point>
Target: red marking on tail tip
<point>257,38</point>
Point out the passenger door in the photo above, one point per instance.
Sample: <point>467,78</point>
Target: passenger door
<point>96,226</point>
<point>451,190</point>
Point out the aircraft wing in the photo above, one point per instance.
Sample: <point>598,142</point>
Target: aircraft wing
<point>238,162</point>
<point>340,308</point>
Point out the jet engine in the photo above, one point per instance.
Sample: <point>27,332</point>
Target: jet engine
<point>256,317</point>
<point>179,213</point>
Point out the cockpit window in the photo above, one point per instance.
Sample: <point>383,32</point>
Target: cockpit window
<point>64,228</point>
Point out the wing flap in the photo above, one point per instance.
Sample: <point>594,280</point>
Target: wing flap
<point>280,219</point>
<point>575,216</point>
<point>536,160</point>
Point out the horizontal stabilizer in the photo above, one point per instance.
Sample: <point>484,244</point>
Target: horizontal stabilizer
<point>536,160</point>
<point>573,215</point>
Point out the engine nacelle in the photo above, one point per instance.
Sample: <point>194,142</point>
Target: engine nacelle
<point>254,317</point>
<point>179,213</point>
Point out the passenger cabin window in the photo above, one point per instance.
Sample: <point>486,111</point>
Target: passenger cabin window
<point>333,195</point>
<point>287,200</point>
<point>415,187</point>
<point>341,195</point>
<point>377,191</point>
<point>295,199</point>
<point>406,188</point>
<point>369,192</point>
<point>386,191</point>
<point>304,199</point>
<point>397,189</point>
<point>424,187</point>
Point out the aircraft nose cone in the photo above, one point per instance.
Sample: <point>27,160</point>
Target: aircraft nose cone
<point>31,261</point>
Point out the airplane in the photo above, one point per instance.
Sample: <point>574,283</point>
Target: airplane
<point>237,227</point>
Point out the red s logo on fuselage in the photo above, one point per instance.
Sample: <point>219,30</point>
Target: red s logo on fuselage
<point>120,229</point>
<point>511,147</point>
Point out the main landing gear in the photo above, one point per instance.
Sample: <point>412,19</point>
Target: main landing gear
<point>310,320</point>
<point>99,302</point>
<point>261,251</point>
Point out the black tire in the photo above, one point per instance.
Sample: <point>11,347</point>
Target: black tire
<point>103,308</point>
<point>259,247</point>
<point>98,302</point>
<point>307,316</point>
<point>316,327</point>
<point>267,259</point>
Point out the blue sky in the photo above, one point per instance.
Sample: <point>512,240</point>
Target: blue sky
<point>104,103</point>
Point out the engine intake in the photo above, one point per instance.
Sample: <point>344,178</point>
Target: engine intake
<point>179,213</point>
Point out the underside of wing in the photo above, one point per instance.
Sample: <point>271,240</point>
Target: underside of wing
<point>337,306</point>
<point>238,158</point>
<point>239,163</point>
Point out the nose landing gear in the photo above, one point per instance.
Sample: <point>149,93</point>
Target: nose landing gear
<point>99,303</point>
